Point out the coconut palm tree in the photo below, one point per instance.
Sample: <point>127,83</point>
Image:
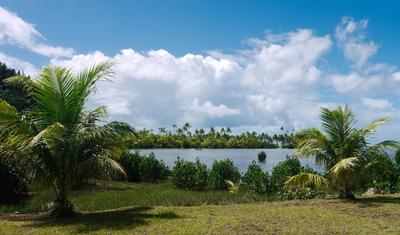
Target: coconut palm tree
<point>64,143</point>
<point>339,147</point>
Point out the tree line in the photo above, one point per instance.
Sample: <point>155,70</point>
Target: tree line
<point>186,137</point>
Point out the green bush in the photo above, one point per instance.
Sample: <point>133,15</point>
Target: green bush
<point>152,170</point>
<point>256,179</point>
<point>262,156</point>
<point>380,170</point>
<point>189,175</point>
<point>382,185</point>
<point>281,172</point>
<point>220,171</point>
<point>130,162</point>
<point>397,158</point>
<point>13,185</point>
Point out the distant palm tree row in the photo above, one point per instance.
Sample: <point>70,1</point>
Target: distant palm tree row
<point>185,137</point>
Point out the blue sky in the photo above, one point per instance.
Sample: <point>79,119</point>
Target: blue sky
<point>252,65</point>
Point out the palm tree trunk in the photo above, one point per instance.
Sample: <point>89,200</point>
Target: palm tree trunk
<point>63,207</point>
<point>346,191</point>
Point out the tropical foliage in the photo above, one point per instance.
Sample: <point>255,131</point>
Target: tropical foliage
<point>185,137</point>
<point>152,170</point>
<point>221,171</point>
<point>257,179</point>
<point>340,148</point>
<point>189,175</point>
<point>283,170</point>
<point>61,141</point>
<point>16,96</point>
<point>14,183</point>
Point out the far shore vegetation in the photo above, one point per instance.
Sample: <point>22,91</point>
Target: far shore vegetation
<point>198,138</point>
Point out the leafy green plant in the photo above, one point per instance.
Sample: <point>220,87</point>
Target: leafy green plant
<point>62,141</point>
<point>382,185</point>
<point>256,179</point>
<point>220,171</point>
<point>130,162</point>
<point>232,187</point>
<point>285,169</point>
<point>153,170</point>
<point>340,147</point>
<point>262,156</point>
<point>14,185</point>
<point>189,175</point>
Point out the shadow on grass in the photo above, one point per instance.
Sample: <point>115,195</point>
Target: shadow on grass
<point>109,220</point>
<point>371,201</point>
<point>377,200</point>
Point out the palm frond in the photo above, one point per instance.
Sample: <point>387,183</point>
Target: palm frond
<point>232,187</point>
<point>12,123</point>
<point>344,168</point>
<point>303,179</point>
<point>102,165</point>
<point>371,128</point>
<point>20,81</point>
<point>389,144</point>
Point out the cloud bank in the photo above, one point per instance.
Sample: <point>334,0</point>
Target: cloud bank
<point>279,80</point>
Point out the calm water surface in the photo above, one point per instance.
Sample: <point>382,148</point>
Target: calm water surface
<point>242,158</point>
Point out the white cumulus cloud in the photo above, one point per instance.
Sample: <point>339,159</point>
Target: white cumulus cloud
<point>16,31</point>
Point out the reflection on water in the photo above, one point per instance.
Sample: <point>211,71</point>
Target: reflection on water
<point>241,157</point>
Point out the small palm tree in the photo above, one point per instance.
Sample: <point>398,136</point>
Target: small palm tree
<point>338,147</point>
<point>232,187</point>
<point>62,141</point>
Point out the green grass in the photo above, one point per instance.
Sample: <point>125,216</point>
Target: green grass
<point>105,195</point>
<point>375,215</point>
<point>124,208</point>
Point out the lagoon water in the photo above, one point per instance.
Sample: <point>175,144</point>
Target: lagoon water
<point>242,158</point>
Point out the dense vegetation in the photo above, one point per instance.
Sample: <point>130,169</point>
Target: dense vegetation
<point>344,152</point>
<point>59,140</point>
<point>190,175</point>
<point>14,95</point>
<point>185,137</point>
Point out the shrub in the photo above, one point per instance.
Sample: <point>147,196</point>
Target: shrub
<point>262,156</point>
<point>380,170</point>
<point>256,179</point>
<point>222,170</point>
<point>281,172</point>
<point>152,170</point>
<point>189,175</point>
<point>382,185</point>
<point>14,185</point>
<point>397,158</point>
<point>130,162</point>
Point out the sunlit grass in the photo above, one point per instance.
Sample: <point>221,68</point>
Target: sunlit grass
<point>375,215</point>
<point>104,195</point>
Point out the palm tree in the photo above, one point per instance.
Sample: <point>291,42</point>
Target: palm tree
<point>339,147</point>
<point>63,141</point>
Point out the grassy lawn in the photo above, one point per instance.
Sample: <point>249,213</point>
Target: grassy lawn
<point>375,215</point>
<point>121,208</point>
<point>105,195</point>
